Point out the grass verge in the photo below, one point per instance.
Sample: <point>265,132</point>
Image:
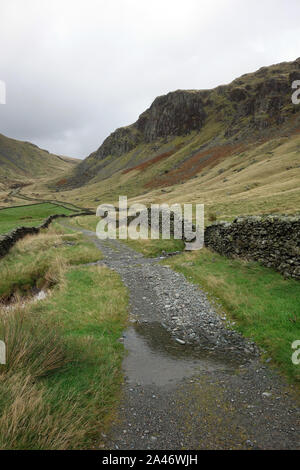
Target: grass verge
<point>149,248</point>
<point>62,375</point>
<point>29,216</point>
<point>152,248</point>
<point>38,260</point>
<point>264,305</point>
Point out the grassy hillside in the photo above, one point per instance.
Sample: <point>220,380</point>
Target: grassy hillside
<point>265,178</point>
<point>235,148</point>
<point>22,162</point>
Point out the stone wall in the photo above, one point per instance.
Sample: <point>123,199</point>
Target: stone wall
<point>8,240</point>
<point>273,241</point>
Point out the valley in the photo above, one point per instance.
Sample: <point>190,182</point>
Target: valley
<point>139,344</point>
<point>239,156</point>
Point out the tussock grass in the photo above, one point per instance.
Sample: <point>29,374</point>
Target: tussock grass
<point>32,342</point>
<point>27,421</point>
<point>63,369</point>
<point>40,261</point>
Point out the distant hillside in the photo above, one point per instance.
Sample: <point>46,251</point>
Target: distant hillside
<point>22,161</point>
<point>235,148</point>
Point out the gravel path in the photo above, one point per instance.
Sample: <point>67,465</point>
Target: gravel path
<point>190,381</point>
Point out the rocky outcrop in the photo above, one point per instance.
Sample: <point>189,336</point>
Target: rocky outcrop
<point>272,241</point>
<point>252,105</point>
<point>176,113</point>
<point>120,141</point>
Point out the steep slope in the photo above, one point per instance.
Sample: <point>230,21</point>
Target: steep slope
<point>253,106</point>
<point>236,148</point>
<point>22,161</point>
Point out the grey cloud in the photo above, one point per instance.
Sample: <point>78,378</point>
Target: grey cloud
<point>77,69</point>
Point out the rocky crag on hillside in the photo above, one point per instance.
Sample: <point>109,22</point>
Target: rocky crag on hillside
<point>256,104</point>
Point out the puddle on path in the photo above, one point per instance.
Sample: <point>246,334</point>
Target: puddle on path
<point>155,358</point>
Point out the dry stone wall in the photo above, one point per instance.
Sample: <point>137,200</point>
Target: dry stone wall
<point>7,241</point>
<point>273,241</point>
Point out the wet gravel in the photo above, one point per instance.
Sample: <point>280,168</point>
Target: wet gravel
<point>190,380</point>
<point>186,312</point>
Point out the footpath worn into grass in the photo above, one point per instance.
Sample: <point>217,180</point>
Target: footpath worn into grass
<point>62,376</point>
<point>29,216</point>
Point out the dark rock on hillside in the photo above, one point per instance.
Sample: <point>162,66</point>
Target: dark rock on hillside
<point>255,103</point>
<point>238,94</point>
<point>120,141</point>
<point>176,113</point>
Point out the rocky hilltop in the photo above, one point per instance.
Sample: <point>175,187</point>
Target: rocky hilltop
<point>256,104</point>
<point>176,113</point>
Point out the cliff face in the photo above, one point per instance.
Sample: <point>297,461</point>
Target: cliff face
<point>176,113</point>
<point>120,141</point>
<point>254,103</point>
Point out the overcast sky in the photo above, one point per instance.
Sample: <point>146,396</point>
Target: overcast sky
<point>77,69</point>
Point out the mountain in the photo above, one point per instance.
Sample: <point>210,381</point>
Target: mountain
<point>253,106</point>
<point>23,161</point>
<point>235,147</point>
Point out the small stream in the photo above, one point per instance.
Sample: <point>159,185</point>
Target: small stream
<point>37,295</point>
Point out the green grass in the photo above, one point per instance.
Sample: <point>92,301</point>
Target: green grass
<point>37,260</point>
<point>63,372</point>
<point>89,222</point>
<point>264,305</point>
<point>28,216</point>
<point>149,248</point>
<point>152,248</point>
<point>92,313</point>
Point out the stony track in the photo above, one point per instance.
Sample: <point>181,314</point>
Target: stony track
<point>190,381</point>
